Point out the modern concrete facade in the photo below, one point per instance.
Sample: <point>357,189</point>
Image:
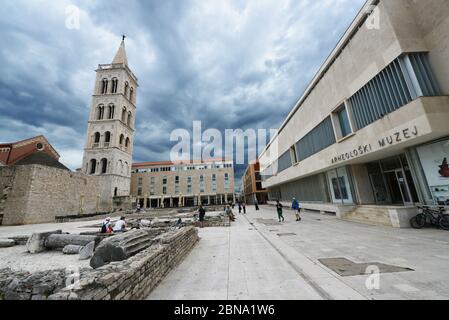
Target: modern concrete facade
<point>182,184</point>
<point>369,138</point>
<point>252,185</point>
<point>110,133</point>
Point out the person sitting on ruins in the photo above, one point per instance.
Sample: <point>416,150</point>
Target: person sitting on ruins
<point>120,226</point>
<point>229,213</point>
<point>106,225</point>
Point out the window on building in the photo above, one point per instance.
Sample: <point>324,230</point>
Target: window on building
<point>124,115</point>
<point>189,185</point>
<point>107,139</point>
<point>122,139</point>
<point>114,85</point>
<point>164,180</point>
<point>140,181</point>
<point>406,78</point>
<point>226,182</point>
<point>214,183</point>
<point>164,190</point>
<point>111,111</point>
<point>129,121</point>
<point>177,180</point>
<point>104,86</point>
<point>321,137</point>
<point>127,143</point>
<point>202,185</point>
<point>104,166</point>
<point>177,189</point>
<point>341,121</point>
<point>100,112</point>
<point>139,191</point>
<point>93,166</point>
<point>131,94</point>
<point>285,161</point>
<point>97,137</point>
<point>126,88</point>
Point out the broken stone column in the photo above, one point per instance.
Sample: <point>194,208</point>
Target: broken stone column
<point>36,243</point>
<point>121,247</point>
<point>87,251</point>
<point>72,249</point>
<point>6,243</point>
<point>58,241</point>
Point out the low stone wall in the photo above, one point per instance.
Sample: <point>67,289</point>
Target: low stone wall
<point>132,279</point>
<point>22,285</point>
<point>136,277</point>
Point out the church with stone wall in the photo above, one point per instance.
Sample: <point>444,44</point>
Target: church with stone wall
<point>36,188</point>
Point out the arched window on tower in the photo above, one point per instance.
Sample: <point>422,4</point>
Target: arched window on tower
<point>122,140</point>
<point>131,94</point>
<point>114,85</point>
<point>107,139</point>
<point>126,88</point>
<point>124,115</point>
<point>126,168</point>
<point>127,143</point>
<point>130,117</point>
<point>93,166</point>
<point>104,86</point>
<point>104,166</point>
<point>100,112</point>
<point>97,137</point>
<point>111,111</point>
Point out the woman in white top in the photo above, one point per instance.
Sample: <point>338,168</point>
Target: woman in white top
<point>120,225</point>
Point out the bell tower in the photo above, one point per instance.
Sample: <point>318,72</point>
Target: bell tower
<point>110,132</point>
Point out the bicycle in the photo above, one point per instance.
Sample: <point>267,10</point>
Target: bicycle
<point>436,217</point>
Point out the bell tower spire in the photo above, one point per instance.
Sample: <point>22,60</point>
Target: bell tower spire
<point>120,56</point>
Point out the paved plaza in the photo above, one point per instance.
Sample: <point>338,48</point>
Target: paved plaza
<point>258,258</point>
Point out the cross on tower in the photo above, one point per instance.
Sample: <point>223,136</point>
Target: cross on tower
<point>123,37</point>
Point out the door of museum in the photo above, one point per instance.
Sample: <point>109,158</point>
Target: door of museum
<point>398,187</point>
<point>392,181</point>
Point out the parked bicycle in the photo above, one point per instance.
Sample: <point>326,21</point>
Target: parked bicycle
<point>434,216</point>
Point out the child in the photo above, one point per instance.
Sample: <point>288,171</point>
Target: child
<point>279,210</point>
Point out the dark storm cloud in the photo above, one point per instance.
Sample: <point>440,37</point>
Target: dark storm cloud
<point>231,64</point>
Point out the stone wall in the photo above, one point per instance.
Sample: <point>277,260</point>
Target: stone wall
<point>136,277</point>
<point>37,194</point>
<point>132,279</point>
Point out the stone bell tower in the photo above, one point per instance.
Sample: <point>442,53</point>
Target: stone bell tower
<point>110,132</point>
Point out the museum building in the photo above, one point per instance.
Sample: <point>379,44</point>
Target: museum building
<point>369,138</point>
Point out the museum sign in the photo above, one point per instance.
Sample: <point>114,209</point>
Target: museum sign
<point>384,142</point>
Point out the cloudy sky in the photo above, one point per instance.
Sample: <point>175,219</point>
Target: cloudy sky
<point>228,63</point>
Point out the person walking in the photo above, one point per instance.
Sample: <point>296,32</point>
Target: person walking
<point>256,203</point>
<point>279,209</point>
<point>202,215</point>
<point>244,207</point>
<point>297,208</point>
<point>240,207</point>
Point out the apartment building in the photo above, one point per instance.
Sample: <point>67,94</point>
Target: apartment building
<point>252,181</point>
<point>182,184</point>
